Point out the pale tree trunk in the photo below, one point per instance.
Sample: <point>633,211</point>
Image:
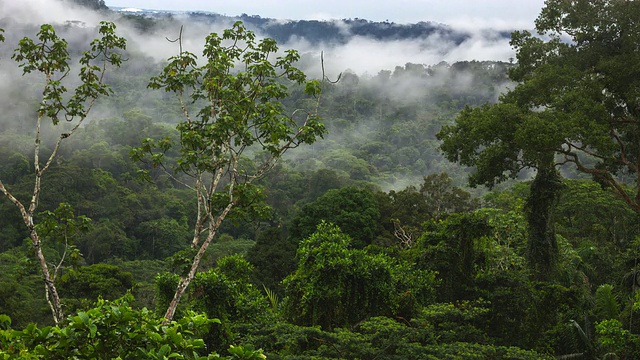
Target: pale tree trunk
<point>186,280</point>
<point>224,161</point>
<point>51,292</point>
<point>204,214</point>
<point>49,57</point>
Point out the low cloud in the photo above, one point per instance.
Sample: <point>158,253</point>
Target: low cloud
<point>402,71</point>
<point>368,56</point>
<point>36,12</point>
<point>360,54</point>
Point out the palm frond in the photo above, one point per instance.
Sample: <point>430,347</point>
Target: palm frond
<point>273,298</point>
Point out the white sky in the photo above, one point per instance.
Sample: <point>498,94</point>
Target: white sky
<point>473,13</point>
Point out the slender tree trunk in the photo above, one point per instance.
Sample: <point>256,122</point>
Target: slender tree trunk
<point>184,282</point>
<point>51,292</point>
<point>27,217</point>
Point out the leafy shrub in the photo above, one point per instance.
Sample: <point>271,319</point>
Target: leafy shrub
<point>112,329</point>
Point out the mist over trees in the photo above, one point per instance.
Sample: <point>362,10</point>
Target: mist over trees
<point>303,217</point>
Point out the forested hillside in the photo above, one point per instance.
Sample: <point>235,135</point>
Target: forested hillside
<point>226,196</point>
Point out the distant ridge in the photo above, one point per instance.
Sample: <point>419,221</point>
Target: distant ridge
<point>339,31</point>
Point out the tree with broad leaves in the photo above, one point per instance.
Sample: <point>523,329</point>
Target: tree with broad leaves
<point>353,209</point>
<point>337,285</point>
<point>230,102</point>
<point>577,102</point>
<point>48,56</point>
<point>442,198</point>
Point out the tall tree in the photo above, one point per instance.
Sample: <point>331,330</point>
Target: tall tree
<point>48,56</point>
<point>441,197</point>
<point>353,209</point>
<point>576,102</point>
<point>231,103</point>
<point>337,285</point>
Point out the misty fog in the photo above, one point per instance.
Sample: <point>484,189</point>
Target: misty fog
<point>396,76</point>
<point>360,54</point>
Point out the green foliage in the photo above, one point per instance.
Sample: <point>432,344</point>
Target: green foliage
<point>607,306</point>
<point>5,322</point>
<point>574,104</point>
<point>18,300</point>
<point>347,163</point>
<point>335,285</point>
<point>453,248</point>
<point>83,285</point>
<point>244,107</point>
<point>481,137</point>
<point>553,307</point>
<point>542,246</point>
<point>481,256</point>
<point>219,293</point>
<point>274,300</point>
<point>511,308</point>
<point>441,197</point>
<point>247,352</point>
<point>574,99</point>
<point>477,351</point>
<point>227,245</point>
<point>180,261</point>
<point>236,268</point>
<point>21,288</point>
<point>611,336</point>
<point>455,323</point>
<point>503,250</point>
<point>62,225</point>
<point>223,292</point>
<point>112,329</point>
<point>403,212</point>
<point>273,258</point>
<point>16,166</point>
<point>50,57</point>
<point>165,284</point>
<point>352,209</point>
<point>508,199</point>
<point>385,304</point>
<point>588,212</point>
<point>230,103</point>
<point>400,218</point>
<point>383,337</point>
<point>143,272</point>
<point>599,226</point>
<point>215,295</point>
<point>106,240</point>
<point>161,238</point>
